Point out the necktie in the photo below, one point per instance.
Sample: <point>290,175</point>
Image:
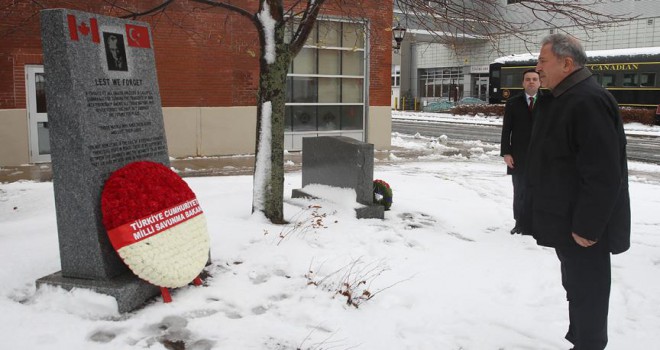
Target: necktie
<point>531,103</point>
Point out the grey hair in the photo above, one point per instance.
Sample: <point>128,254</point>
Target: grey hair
<point>566,46</point>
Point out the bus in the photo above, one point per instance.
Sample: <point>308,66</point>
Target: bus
<point>632,76</point>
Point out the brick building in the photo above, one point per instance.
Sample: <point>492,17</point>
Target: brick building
<point>208,68</point>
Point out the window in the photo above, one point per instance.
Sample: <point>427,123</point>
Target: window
<point>508,79</point>
<point>630,79</point>
<point>40,91</point>
<point>38,125</point>
<point>608,80</point>
<point>304,118</point>
<point>647,79</point>
<point>396,75</point>
<point>441,82</point>
<point>325,84</point>
<point>305,62</point>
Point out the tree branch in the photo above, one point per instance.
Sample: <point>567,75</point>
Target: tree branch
<point>306,25</point>
<point>160,7</point>
<point>232,8</point>
<point>451,21</point>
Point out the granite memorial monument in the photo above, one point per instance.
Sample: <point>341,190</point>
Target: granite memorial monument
<point>104,112</point>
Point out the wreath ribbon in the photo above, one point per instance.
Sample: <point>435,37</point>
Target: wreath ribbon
<point>153,224</point>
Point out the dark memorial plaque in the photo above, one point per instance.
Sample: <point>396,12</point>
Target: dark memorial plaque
<point>104,111</point>
<point>343,162</point>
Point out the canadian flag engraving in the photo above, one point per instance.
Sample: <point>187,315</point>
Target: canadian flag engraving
<point>82,28</point>
<point>138,36</point>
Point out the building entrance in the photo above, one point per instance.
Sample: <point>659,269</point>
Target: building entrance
<point>38,131</point>
<point>480,88</point>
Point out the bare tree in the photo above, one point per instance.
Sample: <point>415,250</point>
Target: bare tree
<point>450,21</point>
<point>271,20</point>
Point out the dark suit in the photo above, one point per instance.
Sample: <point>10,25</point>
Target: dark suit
<point>516,132</point>
<point>577,167</point>
<point>578,180</point>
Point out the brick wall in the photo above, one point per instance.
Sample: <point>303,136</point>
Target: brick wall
<point>204,56</point>
<point>19,45</point>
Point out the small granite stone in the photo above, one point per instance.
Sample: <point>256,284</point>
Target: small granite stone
<point>343,162</point>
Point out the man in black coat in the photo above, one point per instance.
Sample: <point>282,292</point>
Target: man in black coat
<point>578,180</point>
<point>516,131</point>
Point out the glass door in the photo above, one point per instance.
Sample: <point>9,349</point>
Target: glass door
<point>37,114</point>
<point>483,88</point>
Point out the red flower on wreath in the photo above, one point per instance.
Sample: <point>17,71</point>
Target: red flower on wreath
<point>139,189</point>
<point>382,183</point>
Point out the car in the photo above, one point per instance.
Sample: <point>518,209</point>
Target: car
<point>438,106</point>
<point>471,101</point>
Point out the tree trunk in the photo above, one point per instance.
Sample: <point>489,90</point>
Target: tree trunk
<point>269,158</point>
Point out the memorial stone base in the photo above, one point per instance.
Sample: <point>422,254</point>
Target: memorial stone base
<point>373,211</point>
<point>129,291</point>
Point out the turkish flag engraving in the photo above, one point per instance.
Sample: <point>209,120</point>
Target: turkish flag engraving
<point>82,28</point>
<point>138,36</point>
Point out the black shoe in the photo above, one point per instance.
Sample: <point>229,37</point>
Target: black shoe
<point>515,230</point>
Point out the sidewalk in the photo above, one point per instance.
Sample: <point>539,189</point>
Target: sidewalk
<point>201,166</point>
<point>189,167</point>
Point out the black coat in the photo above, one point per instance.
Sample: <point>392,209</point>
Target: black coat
<point>516,132</point>
<point>577,169</point>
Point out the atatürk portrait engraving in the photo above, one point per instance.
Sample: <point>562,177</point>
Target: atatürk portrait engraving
<point>115,52</point>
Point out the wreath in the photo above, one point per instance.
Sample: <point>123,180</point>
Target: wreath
<point>154,222</point>
<point>382,194</point>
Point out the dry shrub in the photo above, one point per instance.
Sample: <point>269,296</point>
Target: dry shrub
<point>475,109</point>
<point>637,115</point>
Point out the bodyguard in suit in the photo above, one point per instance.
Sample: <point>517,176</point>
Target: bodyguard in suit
<point>516,131</point>
<point>578,181</point>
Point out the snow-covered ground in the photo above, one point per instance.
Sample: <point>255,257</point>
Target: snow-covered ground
<point>441,271</point>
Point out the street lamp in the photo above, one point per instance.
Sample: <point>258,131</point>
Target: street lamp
<point>398,33</point>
